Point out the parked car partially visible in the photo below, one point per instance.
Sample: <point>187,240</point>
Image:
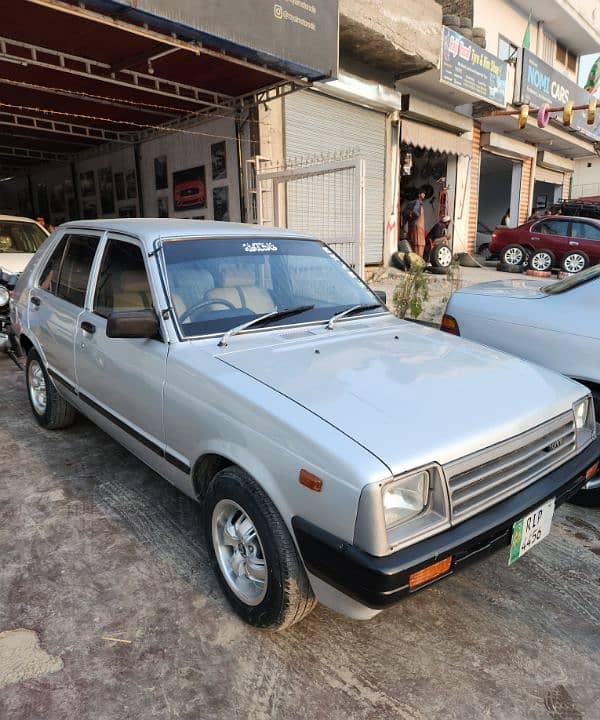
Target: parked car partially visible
<point>20,238</point>
<point>555,324</point>
<point>571,243</point>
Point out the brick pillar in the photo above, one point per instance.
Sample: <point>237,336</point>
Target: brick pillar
<point>474,188</point>
<point>526,186</point>
<point>566,191</point>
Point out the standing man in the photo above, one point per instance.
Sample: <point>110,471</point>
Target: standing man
<point>416,225</point>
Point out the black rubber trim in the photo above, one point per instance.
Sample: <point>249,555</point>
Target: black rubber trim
<point>150,444</point>
<point>62,381</point>
<point>381,581</point>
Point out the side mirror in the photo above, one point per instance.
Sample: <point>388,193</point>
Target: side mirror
<point>132,324</point>
<point>381,295</point>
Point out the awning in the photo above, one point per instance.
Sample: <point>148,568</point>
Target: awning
<point>431,138</point>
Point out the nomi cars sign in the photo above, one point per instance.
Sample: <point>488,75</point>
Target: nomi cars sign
<point>300,36</point>
<point>466,66</point>
<point>540,83</point>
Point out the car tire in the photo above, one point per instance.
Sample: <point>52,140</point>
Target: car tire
<point>503,267</point>
<point>587,498</point>
<point>575,261</point>
<point>399,260</point>
<point>542,261</point>
<point>50,410</point>
<point>233,501</point>
<point>514,255</point>
<point>441,256</point>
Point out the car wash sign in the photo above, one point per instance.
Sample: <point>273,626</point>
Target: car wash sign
<point>297,36</point>
<point>540,83</point>
<point>466,66</point>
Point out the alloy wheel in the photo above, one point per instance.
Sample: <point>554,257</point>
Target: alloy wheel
<point>37,387</point>
<point>574,263</point>
<point>239,552</point>
<point>444,256</point>
<point>514,256</point>
<point>541,261</point>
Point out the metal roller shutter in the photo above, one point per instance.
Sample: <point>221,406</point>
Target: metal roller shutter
<point>319,125</point>
<point>550,176</point>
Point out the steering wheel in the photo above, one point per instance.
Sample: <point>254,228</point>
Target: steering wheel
<point>205,303</point>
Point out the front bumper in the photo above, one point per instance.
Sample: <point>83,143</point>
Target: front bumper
<point>381,581</point>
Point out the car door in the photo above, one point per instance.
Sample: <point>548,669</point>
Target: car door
<point>121,378</point>
<point>551,234</point>
<point>585,236</point>
<point>57,300</point>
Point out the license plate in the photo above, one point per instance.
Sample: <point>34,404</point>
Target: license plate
<point>528,531</point>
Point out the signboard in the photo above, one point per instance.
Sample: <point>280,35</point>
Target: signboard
<point>540,83</point>
<point>466,66</point>
<point>298,35</point>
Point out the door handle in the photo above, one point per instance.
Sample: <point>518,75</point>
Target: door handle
<point>34,300</point>
<point>573,243</point>
<point>88,327</point>
<point>534,238</point>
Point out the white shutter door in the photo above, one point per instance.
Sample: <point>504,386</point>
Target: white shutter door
<point>550,176</point>
<point>316,124</point>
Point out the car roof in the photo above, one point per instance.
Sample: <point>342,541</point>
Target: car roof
<point>16,218</point>
<point>149,229</point>
<point>577,218</point>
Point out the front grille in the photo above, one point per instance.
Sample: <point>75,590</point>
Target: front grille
<point>491,475</point>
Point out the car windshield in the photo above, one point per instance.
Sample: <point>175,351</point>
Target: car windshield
<point>20,237</point>
<point>573,281</point>
<point>218,284</point>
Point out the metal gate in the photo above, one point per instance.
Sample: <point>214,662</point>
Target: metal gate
<point>321,196</point>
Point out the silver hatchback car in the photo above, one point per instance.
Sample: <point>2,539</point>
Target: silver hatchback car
<point>340,454</point>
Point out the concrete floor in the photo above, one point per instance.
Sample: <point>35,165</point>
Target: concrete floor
<point>95,545</point>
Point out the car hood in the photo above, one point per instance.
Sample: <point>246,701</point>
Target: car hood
<point>15,262</point>
<point>517,288</point>
<point>408,394</point>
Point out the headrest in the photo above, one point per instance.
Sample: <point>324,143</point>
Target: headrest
<point>190,275</point>
<point>5,242</point>
<point>133,281</point>
<point>237,275</point>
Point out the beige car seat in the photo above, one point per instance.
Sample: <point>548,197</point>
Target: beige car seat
<point>240,289</point>
<point>131,291</point>
<point>5,243</point>
<point>189,286</point>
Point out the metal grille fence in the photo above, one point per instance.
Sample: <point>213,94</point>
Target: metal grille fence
<point>322,196</point>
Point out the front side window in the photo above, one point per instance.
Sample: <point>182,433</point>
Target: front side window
<point>49,276</point>
<point>76,266</point>
<point>551,227</point>
<point>217,284</point>
<point>20,237</point>
<point>585,231</point>
<point>122,280</point>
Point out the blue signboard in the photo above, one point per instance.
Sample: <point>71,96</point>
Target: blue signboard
<point>469,67</point>
<point>540,83</point>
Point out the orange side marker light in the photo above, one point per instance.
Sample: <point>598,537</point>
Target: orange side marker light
<point>429,573</point>
<point>312,482</point>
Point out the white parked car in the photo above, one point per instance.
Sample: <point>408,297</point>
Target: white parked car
<point>19,240</point>
<point>338,452</point>
<point>555,324</point>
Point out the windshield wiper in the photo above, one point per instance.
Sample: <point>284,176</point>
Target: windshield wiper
<point>261,319</point>
<point>354,310</point>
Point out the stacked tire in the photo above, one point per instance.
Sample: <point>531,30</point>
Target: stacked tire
<point>464,26</point>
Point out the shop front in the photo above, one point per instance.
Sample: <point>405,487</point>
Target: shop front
<point>139,109</point>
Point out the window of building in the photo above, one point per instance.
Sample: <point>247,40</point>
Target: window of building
<point>561,53</point>
<point>506,49</point>
<point>76,266</point>
<point>122,281</point>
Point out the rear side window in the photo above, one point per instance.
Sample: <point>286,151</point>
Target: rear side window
<point>585,231</point>
<point>49,277</point>
<point>76,266</point>
<point>552,227</point>
<point>122,281</point>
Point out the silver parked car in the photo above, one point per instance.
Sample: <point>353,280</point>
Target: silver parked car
<point>339,454</point>
<point>555,324</point>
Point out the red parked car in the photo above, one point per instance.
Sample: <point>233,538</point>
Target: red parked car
<point>571,243</point>
<point>190,193</point>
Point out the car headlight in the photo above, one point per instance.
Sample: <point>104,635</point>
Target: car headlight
<point>585,421</point>
<point>405,498</point>
<point>4,296</point>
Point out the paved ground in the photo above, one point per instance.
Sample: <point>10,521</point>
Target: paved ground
<point>93,545</point>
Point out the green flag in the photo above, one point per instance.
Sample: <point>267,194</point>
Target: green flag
<point>527,37</point>
<point>592,84</point>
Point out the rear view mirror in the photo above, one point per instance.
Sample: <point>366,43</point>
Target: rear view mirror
<point>132,324</point>
<point>381,295</point>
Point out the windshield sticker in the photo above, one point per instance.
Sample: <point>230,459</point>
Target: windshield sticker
<point>253,247</point>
